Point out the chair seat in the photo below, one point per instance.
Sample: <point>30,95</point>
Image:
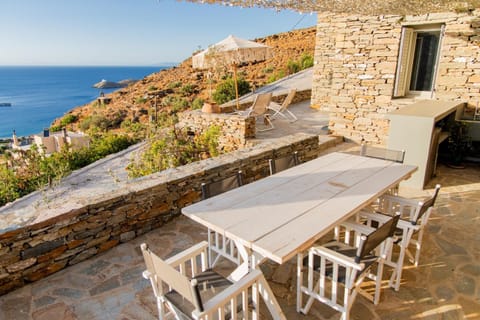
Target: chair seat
<point>345,250</point>
<point>209,284</point>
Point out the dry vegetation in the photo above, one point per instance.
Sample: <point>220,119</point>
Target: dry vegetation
<point>186,84</point>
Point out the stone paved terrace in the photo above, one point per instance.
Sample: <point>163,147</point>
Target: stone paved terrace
<point>446,284</point>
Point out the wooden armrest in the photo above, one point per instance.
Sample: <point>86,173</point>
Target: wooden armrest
<point>406,224</point>
<point>187,254</point>
<point>382,218</point>
<point>336,257</point>
<point>400,200</point>
<point>376,216</point>
<point>357,227</point>
<point>233,290</point>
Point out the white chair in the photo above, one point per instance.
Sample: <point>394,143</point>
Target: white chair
<point>259,110</point>
<point>410,229</point>
<point>282,109</point>
<point>345,263</point>
<point>218,244</point>
<point>195,292</point>
<point>283,163</point>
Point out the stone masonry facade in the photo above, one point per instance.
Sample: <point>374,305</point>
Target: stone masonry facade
<point>34,251</point>
<point>356,61</point>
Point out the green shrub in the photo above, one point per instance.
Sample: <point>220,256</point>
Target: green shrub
<point>306,61</point>
<point>274,77</point>
<point>174,148</point>
<point>175,84</point>
<point>176,103</point>
<point>55,128</point>
<point>140,100</point>
<point>9,186</point>
<point>187,90</point>
<point>138,129</point>
<point>152,88</point>
<point>31,170</point>
<point>67,119</point>
<point>95,122</point>
<point>197,103</point>
<point>293,67</point>
<point>226,90</point>
<point>268,70</point>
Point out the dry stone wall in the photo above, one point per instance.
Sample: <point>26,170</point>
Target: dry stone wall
<point>34,251</point>
<point>356,60</point>
<point>235,129</point>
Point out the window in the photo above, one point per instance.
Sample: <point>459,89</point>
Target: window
<point>418,60</point>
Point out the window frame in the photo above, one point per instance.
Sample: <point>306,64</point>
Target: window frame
<point>403,75</point>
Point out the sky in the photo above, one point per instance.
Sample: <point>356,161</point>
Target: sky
<point>127,32</point>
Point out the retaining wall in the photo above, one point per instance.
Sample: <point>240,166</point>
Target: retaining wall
<point>35,251</point>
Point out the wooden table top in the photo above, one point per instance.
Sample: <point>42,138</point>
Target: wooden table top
<point>286,213</point>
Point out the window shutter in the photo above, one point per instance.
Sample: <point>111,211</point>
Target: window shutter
<point>437,59</point>
<point>404,66</point>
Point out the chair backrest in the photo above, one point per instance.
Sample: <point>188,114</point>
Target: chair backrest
<point>425,205</point>
<point>221,186</point>
<point>283,163</point>
<point>288,99</point>
<point>375,238</point>
<point>163,272</point>
<point>382,153</point>
<point>260,104</point>
<point>476,113</point>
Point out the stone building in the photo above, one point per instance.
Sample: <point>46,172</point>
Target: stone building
<point>54,142</point>
<point>368,66</point>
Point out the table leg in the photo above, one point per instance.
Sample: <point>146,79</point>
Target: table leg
<point>270,300</point>
<point>251,260</point>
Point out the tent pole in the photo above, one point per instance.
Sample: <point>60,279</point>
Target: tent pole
<point>236,84</point>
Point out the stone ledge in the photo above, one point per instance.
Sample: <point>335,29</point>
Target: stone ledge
<point>128,209</point>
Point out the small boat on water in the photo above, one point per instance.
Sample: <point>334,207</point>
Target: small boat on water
<point>5,104</point>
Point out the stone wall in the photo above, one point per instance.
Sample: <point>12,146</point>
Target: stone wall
<point>356,60</point>
<point>36,250</point>
<point>235,129</point>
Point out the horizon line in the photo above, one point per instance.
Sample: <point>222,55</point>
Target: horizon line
<point>162,64</point>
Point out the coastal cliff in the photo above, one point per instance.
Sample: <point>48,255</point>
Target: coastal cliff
<point>134,103</point>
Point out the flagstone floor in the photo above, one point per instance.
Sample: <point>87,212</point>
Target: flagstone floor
<point>446,284</point>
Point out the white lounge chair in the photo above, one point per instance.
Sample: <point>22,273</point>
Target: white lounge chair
<point>282,109</point>
<point>259,110</point>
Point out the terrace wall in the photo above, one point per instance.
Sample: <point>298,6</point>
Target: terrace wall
<point>34,251</point>
<point>356,60</point>
<point>235,129</point>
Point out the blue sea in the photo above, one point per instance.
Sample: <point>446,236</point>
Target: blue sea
<point>41,94</point>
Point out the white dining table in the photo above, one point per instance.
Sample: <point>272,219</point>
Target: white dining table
<point>284,214</point>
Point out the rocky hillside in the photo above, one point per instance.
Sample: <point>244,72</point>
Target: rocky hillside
<point>178,87</point>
